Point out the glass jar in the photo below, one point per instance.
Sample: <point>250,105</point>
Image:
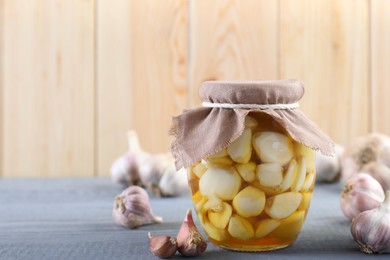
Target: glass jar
<point>254,195</point>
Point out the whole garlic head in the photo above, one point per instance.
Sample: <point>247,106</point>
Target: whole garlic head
<point>373,147</point>
<point>371,228</point>
<point>132,208</point>
<point>361,192</point>
<point>328,168</point>
<point>172,182</point>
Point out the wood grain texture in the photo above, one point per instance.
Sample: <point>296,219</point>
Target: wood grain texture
<point>113,81</point>
<point>48,88</point>
<point>325,43</point>
<point>232,40</point>
<point>158,69</point>
<point>380,65</point>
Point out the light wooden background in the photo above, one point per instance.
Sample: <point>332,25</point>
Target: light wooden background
<point>75,75</point>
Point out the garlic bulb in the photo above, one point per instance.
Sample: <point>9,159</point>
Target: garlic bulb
<point>328,168</point>
<point>132,208</point>
<point>373,147</point>
<point>124,171</point>
<point>361,192</point>
<point>371,228</point>
<point>172,182</point>
<point>190,241</point>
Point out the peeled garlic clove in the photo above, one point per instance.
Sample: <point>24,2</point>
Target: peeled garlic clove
<point>371,228</point>
<point>220,154</point>
<point>215,233</point>
<point>219,161</point>
<point>283,205</point>
<point>309,180</point>
<point>240,228</point>
<point>249,202</point>
<point>250,122</point>
<point>273,147</point>
<point>265,227</point>
<point>240,150</point>
<point>223,183</point>
<point>214,204</point>
<point>172,182</point>
<point>163,246</point>
<point>190,241</point>
<point>221,218</point>
<point>290,227</point>
<point>199,169</point>
<point>289,176</point>
<point>301,175</point>
<point>269,174</point>
<point>306,199</point>
<point>247,171</point>
<point>361,192</point>
<point>132,208</point>
<point>309,155</point>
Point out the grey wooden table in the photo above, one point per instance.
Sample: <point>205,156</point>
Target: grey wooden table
<point>71,219</point>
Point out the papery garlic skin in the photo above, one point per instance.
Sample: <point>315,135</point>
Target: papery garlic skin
<point>163,246</point>
<point>371,228</point>
<point>132,208</point>
<point>361,192</point>
<point>190,241</point>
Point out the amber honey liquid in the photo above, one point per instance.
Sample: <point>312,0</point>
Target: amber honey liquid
<point>261,213</point>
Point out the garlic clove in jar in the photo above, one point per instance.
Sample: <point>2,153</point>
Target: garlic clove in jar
<point>301,174</point>
<point>251,122</point>
<point>371,228</point>
<point>240,228</point>
<point>247,171</point>
<point>249,202</point>
<point>290,226</point>
<point>289,176</point>
<point>199,169</point>
<point>309,180</point>
<point>240,150</point>
<point>219,161</point>
<point>283,205</point>
<point>132,208</point>
<point>361,192</point>
<point>215,233</point>
<point>221,218</point>
<point>308,153</point>
<point>265,227</point>
<point>273,147</point>
<point>306,199</point>
<point>269,174</point>
<point>223,183</point>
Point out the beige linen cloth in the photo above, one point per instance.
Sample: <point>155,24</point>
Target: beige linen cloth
<point>204,131</point>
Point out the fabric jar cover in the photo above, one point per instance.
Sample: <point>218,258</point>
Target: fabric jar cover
<point>204,131</point>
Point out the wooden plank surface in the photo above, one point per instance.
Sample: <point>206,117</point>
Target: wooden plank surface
<point>326,43</point>
<point>113,81</point>
<point>380,65</point>
<point>232,40</point>
<point>48,88</point>
<point>158,61</point>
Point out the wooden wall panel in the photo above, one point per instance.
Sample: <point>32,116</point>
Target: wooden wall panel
<point>158,68</point>
<point>380,65</point>
<point>232,40</point>
<point>325,43</point>
<point>48,88</point>
<point>1,83</point>
<point>113,84</point>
